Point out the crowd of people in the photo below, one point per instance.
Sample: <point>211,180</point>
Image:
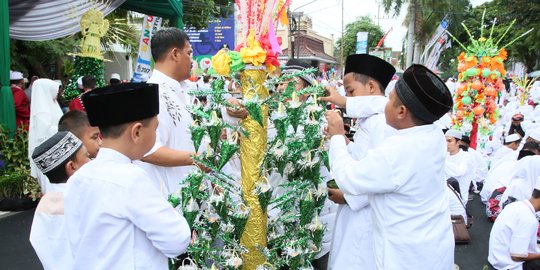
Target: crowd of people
<point>108,164</point>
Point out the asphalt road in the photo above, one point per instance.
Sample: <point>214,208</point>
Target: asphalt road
<point>17,253</point>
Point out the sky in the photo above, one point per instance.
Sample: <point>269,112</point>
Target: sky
<point>326,17</point>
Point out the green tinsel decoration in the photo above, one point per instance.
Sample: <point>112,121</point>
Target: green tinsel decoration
<point>84,66</point>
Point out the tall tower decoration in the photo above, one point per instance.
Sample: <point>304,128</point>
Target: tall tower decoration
<point>481,71</point>
<point>89,61</point>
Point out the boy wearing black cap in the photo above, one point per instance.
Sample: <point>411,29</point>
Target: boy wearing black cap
<point>58,158</point>
<point>404,177</point>
<point>365,79</point>
<point>116,218</point>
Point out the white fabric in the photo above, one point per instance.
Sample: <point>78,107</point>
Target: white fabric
<point>523,180</point>
<point>352,245</point>
<point>455,205</point>
<point>454,133</point>
<point>48,235</point>
<point>51,19</point>
<point>407,197</point>
<point>172,132</point>
<point>15,75</point>
<point>444,122</point>
<point>391,85</point>
<point>512,138</point>
<point>499,154</point>
<point>117,219</point>
<point>480,165</point>
<point>513,234</point>
<point>460,166</point>
<point>45,112</point>
<point>497,177</point>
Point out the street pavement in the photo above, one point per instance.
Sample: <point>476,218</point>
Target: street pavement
<point>17,253</point>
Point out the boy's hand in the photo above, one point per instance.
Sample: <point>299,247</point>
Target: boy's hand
<point>334,97</point>
<point>335,123</point>
<point>336,196</point>
<point>241,112</point>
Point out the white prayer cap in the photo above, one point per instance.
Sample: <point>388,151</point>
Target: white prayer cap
<point>537,185</point>
<point>512,138</point>
<point>454,133</point>
<point>79,83</point>
<point>535,134</point>
<point>15,75</point>
<point>115,76</point>
<point>55,151</point>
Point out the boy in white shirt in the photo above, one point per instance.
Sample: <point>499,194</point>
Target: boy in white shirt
<point>512,241</point>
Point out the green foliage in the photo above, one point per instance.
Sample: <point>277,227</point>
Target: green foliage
<point>362,24</point>
<point>527,15</point>
<point>84,66</point>
<point>197,13</point>
<point>15,179</point>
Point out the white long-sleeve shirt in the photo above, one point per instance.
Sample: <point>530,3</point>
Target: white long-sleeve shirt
<point>411,219</point>
<point>172,132</point>
<point>460,166</point>
<point>117,219</point>
<point>48,235</point>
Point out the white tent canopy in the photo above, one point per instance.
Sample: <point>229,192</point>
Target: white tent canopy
<point>38,20</point>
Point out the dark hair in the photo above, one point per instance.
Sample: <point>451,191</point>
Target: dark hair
<point>75,122</point>
<point>525,153</point>
<point>114,81</point>
<point>89,81</point>
<point>364,79</point>
<point>464,147</point>
<point>113,132</point>
<point>59,175</point>
<point>531,146</point>
<point>165,39</point>
<point>15,81</point>
<point>536,193</point>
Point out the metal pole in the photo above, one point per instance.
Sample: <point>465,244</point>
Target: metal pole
<point>342,39</point>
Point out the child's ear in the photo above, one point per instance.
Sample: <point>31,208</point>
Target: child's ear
<point>70,168</point>
<point>135,131</point>
<point>402,112</point>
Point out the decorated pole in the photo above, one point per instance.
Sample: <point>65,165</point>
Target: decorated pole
<point>252,151</point>
<point>481,70</point>
<point>89,61</point>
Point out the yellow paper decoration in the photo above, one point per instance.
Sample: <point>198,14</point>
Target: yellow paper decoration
<point>253,53</point>
<point>93,27</point>
<point>252,149</point>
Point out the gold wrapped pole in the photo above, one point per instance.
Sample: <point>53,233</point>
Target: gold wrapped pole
<point>252,150</point>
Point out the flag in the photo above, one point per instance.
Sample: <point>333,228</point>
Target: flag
<point>382,39</point>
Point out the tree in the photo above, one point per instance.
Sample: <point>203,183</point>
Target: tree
<point>527,15</point>
<point>362,24</point>
<point>197,13</point>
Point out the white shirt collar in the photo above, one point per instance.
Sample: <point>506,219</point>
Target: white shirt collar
<point>528,203</point>
<point>108,154</point>
<point>160,77</point>
<point>58,187</point>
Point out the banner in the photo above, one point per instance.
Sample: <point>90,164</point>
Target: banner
<point>433,59</point>
<point>434,38</point>
<point>144,59</point>
<point>362,42</point>
<point>219,34</point>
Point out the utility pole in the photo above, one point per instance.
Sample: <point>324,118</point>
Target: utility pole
<point>410,34</point>
<point>342,40</point>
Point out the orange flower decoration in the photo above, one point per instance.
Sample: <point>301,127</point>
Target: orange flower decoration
<point>470,61</point>
<point>497,64</point>
<point>503,54</point>
<point>486,60</point>
<point>461,57</point>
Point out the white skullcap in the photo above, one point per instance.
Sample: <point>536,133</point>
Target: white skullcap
<point>454,133</point>
<point>115,76</point>
<point>512,138</point>
<point>535,134</point>
<point>79,83</point>
<point>15,75</point>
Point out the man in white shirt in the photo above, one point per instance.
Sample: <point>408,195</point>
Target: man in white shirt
<point>512,241</point>
<point>508,151</point>
<point>365,76</point>
<point>458,163</point>
<point>115,216</point>
<point>168,162</point>
<point>406,190</point>
<point>58,158</point>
